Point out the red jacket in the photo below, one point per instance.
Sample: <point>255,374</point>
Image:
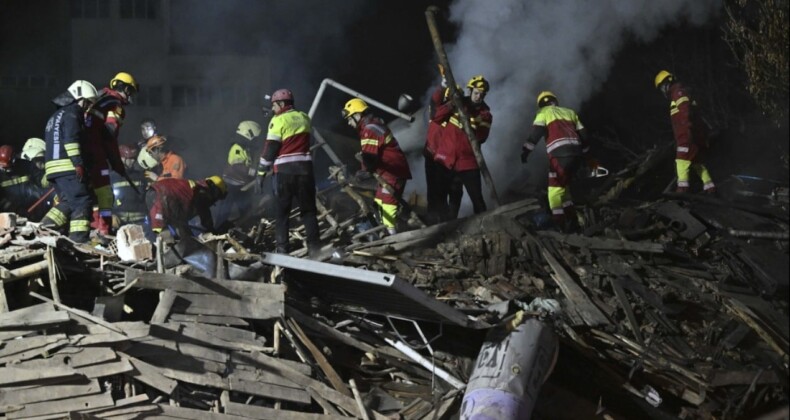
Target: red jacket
<point>179,200</point>
<point>564,132</point>
<point>380,150</point>
<point>434,136</point>
<point>454,150</point>
<point>690,131</point>
<point>103,122</point>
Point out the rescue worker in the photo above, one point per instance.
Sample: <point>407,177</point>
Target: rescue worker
<point>381,155</point>
<point>173,202</point>
<point>691,134</point>
<point>173,165</point>
<point>566,143</point>
<point>33,151</point>
<point>436,188</point>
<point>104,121</point>
<point>147,130</point>
<point>129,206</point>
<point>20,185</point>
<point>286,153</point>
<point>65,167</point>
<point>239,171</point>
<point>455,152</point>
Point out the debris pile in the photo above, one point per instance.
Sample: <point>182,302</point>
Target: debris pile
<point>680,303</point>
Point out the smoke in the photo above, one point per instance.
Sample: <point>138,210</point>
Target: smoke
<point>565,46</point>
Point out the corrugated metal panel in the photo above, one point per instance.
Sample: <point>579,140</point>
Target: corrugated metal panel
<point>366,291</point>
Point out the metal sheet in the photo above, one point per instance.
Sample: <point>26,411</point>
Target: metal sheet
<point>367,291</point>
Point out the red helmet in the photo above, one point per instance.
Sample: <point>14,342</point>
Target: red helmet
<point>6,156</point>
<point>127,151</point>
<point>282,95</point>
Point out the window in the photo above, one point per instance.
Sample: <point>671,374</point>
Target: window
<point>139,9</point>
<point>36,81</point>
<point>184,96</point>
<point>89,9</point>
<point>150,96</point>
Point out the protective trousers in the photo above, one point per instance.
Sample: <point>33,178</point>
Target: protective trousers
<point>388,200</point>
<point>437,198</point>
<point>74,207</point>
<point>473,184</point>
<point>561,171</point>
<point>683,168</point>
<point>288,187</point>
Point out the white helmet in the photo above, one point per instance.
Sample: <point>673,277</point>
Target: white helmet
<point>249,129</point>
<point>145,160</point>
<point>34,148</point>
<point>82,89</point>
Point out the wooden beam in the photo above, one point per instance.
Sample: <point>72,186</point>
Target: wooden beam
<point>319,357</point>
<point>80,313</point>
<point>163,307</point>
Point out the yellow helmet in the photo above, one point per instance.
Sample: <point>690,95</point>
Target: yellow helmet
<point>123,78</point>
<point>249,129</point>
<point>478,82</point>
<point>354,106</point>
<point>544,98</point>
<point>663,76</point>
<point>219,183</point>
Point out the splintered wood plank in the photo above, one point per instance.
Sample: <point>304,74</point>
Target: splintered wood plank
<point>149,375</point>
<point>106,369</point>
<point>37,319</point>
<point>30,347</point>
<point>268,390</point>
<point>319,357</point>
<point>20,376</point>
<point>164,306</point>
<point>275,366</point>
<point>80,313</point>
<point>3,300</point>
<point>266,413</point>
<point>234,289</point>
<point>179,332</point>
<point>193,414</point>
<point>576,296</point>
<point>48,393</point>
<point>63,406</point>
<point>247,307</point>
<point>209,319</point>
<point>73,357</point>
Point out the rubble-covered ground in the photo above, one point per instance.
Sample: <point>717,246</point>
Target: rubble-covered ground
<point>672,307</point>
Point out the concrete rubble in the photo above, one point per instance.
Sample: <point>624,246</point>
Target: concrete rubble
<point>671,305</point>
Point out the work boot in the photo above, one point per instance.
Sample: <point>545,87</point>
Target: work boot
<point>682,190</point>
<point>711,191</point>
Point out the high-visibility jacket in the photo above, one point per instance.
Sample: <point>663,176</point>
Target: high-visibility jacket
<point>173,166</point>
<point>564,132</point>
<point>177,201</point>
<point>287,144</point>
<point>63,135</point>
<point>238,154</point>
<point>691,134</point>
<point>380,150</point>
<point>454,150</point>
<point>20,187</point>
<point>128,205</point>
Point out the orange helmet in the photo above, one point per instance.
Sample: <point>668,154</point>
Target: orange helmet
<point>154,142</point>
<point>6,156</point>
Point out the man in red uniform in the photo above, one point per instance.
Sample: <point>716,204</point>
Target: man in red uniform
<point>454,152</point>
<point>103,122</point>
<point>175,201</point>
<point>380,154</point>
<point>173,165</point>
<point>566,142</point>
<point>691,135</point>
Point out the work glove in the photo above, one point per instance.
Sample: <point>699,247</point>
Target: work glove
<point>441,71</point>
<point>524,154</point>
<point>151,176</point>
<point>259,179</point>
<point>363,175</point>
<point>80,171</point>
